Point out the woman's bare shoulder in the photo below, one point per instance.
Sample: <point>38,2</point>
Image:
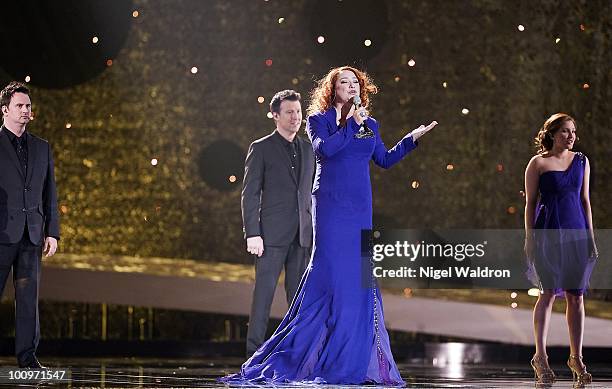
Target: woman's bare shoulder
<point>536,161</point>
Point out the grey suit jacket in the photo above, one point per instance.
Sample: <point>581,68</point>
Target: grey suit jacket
<point>276,203</point>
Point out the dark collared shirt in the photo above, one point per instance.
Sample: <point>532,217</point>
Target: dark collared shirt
<point>21,147</point>
<point>293,151</point>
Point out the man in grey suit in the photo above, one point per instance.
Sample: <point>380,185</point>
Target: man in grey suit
<point>276,210</point>
<point>29,222</point>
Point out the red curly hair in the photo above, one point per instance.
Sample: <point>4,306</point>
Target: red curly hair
<point>322,96</point>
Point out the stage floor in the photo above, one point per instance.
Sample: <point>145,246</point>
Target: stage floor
<point>190,373</point>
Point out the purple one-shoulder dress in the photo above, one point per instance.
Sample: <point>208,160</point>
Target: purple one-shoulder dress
<point>563,246</point>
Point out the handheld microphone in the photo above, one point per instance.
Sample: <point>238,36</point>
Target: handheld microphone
<point>357,102</point>
<point>366,133</point>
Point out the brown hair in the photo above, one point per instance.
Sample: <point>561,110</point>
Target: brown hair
<point>544,139</point>
<point>281,96</point>
<point>322,96</point>
<point>7,93</point>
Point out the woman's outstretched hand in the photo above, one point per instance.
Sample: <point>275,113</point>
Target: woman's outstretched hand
<point>422,130</point>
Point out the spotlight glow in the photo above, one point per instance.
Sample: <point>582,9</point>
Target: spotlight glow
<point>367,43</point>
<point>280,20</point>
<point>68,125</point>
<point>28,78</point>
<point>411,63</point>
<point>260,99</point>
<point>465,111</point>
<point>135,14</point>
<point>444,84</point>
<point>320,39</point>
<point>415,184</point>
<point>94,39</point>
<point>520,27</point>
<point>194,70</point>
<point>269,115</point>
<point>154,162</point>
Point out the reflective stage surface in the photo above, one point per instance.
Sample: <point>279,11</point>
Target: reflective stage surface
<point>190,373</point>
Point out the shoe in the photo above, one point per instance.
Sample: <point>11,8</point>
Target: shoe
<point>32,364</point>
<point>579,370</point>
<point>543,373</point>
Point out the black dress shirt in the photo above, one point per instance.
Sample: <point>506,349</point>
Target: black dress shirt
<point>293,150</point>
<point>21,148</point>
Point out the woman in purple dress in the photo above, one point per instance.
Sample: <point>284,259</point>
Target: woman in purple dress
<point>559,238</point>
<point>334,331</point>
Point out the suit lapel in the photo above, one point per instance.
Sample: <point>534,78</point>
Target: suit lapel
<point>303,152</point>
<point>9,150</point>
<point>32,151</point>
<point>280,147</point>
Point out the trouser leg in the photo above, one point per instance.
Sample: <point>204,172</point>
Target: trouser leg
<point>26,278</point>
<point>267,270</point>
<point>295,265</point>
<point>7,258</point>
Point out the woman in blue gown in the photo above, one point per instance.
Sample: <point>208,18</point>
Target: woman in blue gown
<point>559,237</point>
<point>334,330</point>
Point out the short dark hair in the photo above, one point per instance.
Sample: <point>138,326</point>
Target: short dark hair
<point>287,94</point>
<point>13,87</point>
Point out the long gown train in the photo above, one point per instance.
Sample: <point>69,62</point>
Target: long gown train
<point>334,330</point>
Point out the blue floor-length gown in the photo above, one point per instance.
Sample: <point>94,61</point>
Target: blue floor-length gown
<point>562,256</point>
<point>334,330</point>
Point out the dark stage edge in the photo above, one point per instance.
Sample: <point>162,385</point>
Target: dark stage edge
<point>191,373</point>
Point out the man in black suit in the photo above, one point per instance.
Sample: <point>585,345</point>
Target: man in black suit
<point>276,210</point>
<point>28,215</point>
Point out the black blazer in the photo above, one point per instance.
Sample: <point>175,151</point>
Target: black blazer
<point>29,199</point>
<point>275,202</point>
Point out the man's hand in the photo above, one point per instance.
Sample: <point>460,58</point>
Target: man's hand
<point>50,246</point>
<point>255,245</point>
